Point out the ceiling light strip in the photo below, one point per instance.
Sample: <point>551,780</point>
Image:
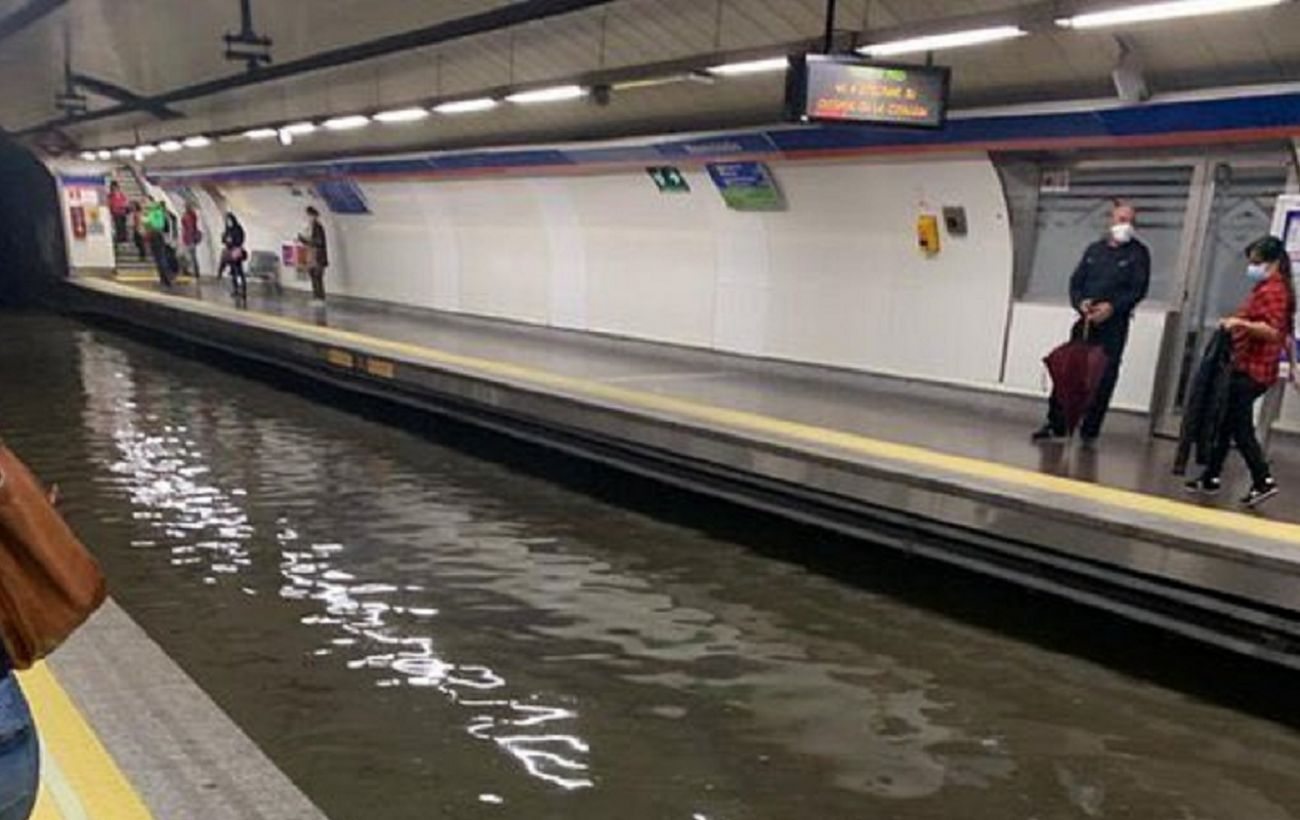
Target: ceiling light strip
<point>1153,12</point>
<point>939,42</point>
<point>466,106</point>
<point>402,115</point>
<point>558,93</point>
<point>747,67</point>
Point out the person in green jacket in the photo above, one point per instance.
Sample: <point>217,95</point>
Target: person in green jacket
<point>155,225</point>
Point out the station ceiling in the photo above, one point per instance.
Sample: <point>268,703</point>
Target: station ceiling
<point>147,48</point>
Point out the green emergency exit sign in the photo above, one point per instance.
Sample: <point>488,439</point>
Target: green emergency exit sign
<point>669,180</point>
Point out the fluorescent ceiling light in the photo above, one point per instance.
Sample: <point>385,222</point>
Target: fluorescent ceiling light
<point>936,42</point>
<point>261,134</point>
<point>104,153</point>
<point>557,93</point>
<point>125,152</point>
<point>751,67</point>
<point>402,115</point>
<point>197,141</point>
<point>89,156</point>
<point>648,82</point>
<point>667,79</point>
<point>466,106</point>
<point>170,146</point>
<point>1150,12</point>
<point>145,150</point>
<point>344,123</point>
<point>299,128</point>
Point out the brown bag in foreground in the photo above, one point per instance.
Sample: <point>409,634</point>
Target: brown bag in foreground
<point>49,582</point>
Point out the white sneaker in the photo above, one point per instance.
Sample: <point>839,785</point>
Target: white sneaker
<point>1259,493</point>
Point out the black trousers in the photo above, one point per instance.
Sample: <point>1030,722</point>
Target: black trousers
<point>317,275</point>
<point>119,227</point>
<point>1239,428</point>
<point>238,281</point>
<point>1112,335</point>
<point>158,248</point>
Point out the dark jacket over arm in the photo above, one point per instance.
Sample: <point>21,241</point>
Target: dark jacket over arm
<point>1078,279</point>
<point>1206,407</point>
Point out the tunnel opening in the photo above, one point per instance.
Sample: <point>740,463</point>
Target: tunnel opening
<point>32,256</point>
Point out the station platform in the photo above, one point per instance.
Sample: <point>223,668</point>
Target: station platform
<point>935,470</point>
<point>126,735</point>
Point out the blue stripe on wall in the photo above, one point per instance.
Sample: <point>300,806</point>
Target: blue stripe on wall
<point>83,180</point>
<point>1243,114</point>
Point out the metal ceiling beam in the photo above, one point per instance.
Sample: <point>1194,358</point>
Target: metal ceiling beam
<point>25,16</point>
<point>482,23</point>
<point>828,39</point>
<point>685,69</point>
<point>123,95</point>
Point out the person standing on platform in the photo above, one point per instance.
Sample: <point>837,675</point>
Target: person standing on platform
<point>138,229</point>
<point>155,223</point>
<point>191,236</point>
<point>1111,279</point>
<point>232,257</point>
<point>318,253</point>
<point>118,205</point>
<point>1262,328</point>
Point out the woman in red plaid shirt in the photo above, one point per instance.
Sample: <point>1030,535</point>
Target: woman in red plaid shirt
<point>1261,329</point>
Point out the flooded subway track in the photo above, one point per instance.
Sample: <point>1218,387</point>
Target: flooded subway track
<point>411,630</point>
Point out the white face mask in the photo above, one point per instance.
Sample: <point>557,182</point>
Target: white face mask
<point>1257,272</point>
<point>1121,232</point>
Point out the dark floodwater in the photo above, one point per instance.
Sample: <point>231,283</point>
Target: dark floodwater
<point>413,632</point>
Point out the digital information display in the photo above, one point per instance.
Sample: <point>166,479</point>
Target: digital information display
<point>845,89</point>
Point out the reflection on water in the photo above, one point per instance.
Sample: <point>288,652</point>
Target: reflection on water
<point>206,525</point>
<point>411,632</point>
<point>374,625</point>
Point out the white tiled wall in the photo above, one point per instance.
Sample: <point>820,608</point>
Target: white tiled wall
<point>835,279</point>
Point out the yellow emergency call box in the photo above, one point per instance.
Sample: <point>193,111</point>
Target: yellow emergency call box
<point>927,234</point>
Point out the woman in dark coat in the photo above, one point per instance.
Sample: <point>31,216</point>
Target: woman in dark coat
<point>232,239</point>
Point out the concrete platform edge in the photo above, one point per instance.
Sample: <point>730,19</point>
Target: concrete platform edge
<point>185,757</point>
<point>1252,582</point>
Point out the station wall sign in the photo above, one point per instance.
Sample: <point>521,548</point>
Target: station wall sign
<point>84,210</point>
<point>746,186</point>
<point>669,180</point>
<point>342,196</point>
<point>1286,224</point>
<point>825,88</point>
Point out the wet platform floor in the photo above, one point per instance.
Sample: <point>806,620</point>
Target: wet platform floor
<point>983,425</point>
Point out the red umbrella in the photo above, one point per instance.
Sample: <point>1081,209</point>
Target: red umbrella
<point>1076,368</point>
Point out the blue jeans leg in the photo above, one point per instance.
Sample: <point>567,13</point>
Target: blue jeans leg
<point>19,753</point>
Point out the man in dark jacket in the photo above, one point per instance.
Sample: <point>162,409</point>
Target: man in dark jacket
<point>1110,281</point>
<point>318,248</point>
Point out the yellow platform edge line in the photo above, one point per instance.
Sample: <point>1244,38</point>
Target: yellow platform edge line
<point>45,808</point>
<point>1165,508</point>
<point>54,785</point>
<point>85,764</point>
<point>140,278</point>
